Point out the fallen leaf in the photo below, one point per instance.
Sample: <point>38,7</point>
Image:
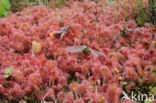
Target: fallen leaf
<point>36,47</point>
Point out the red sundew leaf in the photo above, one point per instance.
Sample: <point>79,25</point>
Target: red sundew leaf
<point>130,86</point>
<point>79,100</point>
<point>34,79</point>
<point>18,75</point>
<point>3,90</point>
<point>74,87</point>
<point>102,98</point>
<point>69,97</point>
<point>18,36</point>
<point>19,47</point>
<point>60,96</point>
<point>24,26</point>
<point>54,74</point>
<point>104,87</point>
<point>131,74</point>
<point>15,91</point>
<point>81,88</point>
<point>29,70</point>
<point>5,39</point>
<point>40,96</point>
<point>113,93</point>
<point>26,63</point>
<point>51,93</point>
<point>93,26</point>
<point>96,69</point>
<point>2,80</point>
<point>106,73</point>
<point>86,67</point>
<point>57,88</point>
<point>51,64</point>
<point>77,68</point>
<point>7,60</point>
<point>5,27</point>
<point>27,89</point>
<point>18,90</point>
<point>77,27</point>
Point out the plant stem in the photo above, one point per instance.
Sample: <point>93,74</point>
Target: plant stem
<point>39,2</point>
<point>142,11</point>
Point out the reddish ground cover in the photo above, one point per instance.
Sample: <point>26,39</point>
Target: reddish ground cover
<point>106,55</point>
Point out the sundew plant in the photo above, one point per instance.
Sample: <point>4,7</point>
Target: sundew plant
<point>78,51</point>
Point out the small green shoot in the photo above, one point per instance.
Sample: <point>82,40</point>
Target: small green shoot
<point>148,101</point>
<point>8,72</point>
<point>124,83</point>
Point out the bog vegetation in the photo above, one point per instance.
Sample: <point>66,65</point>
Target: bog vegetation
<point>77,51</point>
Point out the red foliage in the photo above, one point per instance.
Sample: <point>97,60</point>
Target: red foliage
<point>33,42</point>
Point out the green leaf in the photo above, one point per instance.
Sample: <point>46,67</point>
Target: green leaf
<point>4,7</point>
<point>140,21</point>
<point>6,76</point>
<point>5,13</point>
<point>1,11</point>
<point>9,70</point>
<point>101,100</point>
<point>151,3</point>
<point>124,83</point>
<point>148,101</point>
<point>6,4</point>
